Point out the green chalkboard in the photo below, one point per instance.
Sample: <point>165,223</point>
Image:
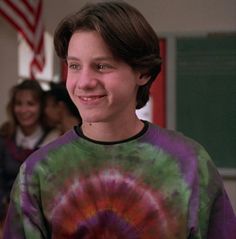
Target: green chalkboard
<point>206,94</point>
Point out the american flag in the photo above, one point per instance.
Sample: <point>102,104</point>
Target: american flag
<point>26,17</point>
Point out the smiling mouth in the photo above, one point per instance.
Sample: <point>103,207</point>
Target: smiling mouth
<point>91,98</point>
<point>24,118</point>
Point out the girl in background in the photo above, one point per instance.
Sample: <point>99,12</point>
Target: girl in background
<point>23,133</point>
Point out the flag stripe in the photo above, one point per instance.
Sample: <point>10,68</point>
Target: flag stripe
<point>28,5</point>
<point>17,22</point>
<point>17,11</point>
<point>26,17</point>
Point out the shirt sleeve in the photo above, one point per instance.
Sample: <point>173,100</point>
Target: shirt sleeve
<point>220,220</point>
<point>222,223</point>
<point>25,218</point>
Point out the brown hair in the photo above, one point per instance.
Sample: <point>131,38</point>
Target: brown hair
<point>9,127</point>
<point>126,32</point>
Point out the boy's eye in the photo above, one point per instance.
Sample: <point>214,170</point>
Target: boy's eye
<point>73,66</point>
<point>102,67</point>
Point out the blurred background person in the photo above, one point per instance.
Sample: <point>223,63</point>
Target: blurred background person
<point>23,133</point>
<point>60,111</point>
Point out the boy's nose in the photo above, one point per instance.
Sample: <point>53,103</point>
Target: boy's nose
<point>86,79</point>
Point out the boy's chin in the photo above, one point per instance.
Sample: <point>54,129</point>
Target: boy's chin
<point>92,118</point>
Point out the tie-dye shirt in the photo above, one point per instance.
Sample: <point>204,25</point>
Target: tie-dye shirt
<point>158,184</point>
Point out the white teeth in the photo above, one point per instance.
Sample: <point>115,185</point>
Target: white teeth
<point>90,98</point>
<point>87,98</point>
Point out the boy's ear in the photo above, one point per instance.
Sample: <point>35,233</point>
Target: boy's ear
<point>143,79</point>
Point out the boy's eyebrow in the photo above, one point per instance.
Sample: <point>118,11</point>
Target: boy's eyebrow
<point>72,58</point>
<point>99,58</point>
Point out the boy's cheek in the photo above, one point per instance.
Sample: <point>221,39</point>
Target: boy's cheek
<point>70,85</point>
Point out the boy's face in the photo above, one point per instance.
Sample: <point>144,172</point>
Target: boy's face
<point>103,88</point>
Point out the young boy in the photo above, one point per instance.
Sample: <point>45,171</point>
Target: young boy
<point>116,176</point>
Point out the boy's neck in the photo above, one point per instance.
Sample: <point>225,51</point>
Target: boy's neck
<point>68,122</point>
<point>108,132</point>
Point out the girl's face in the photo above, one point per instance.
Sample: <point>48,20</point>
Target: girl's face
<point>26,109</point>
<point>103,88</point>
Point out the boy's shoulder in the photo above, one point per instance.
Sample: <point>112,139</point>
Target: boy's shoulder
<point>170,137</point>
<point>177,144</point>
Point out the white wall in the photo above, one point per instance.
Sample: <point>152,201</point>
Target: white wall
<point>8,63</point>
<point>165,15</point>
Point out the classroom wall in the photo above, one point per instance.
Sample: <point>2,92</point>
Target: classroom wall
<point>165,15</point>
<point>230,187</point>
<point>169,18</point>
<point>8,63</point>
